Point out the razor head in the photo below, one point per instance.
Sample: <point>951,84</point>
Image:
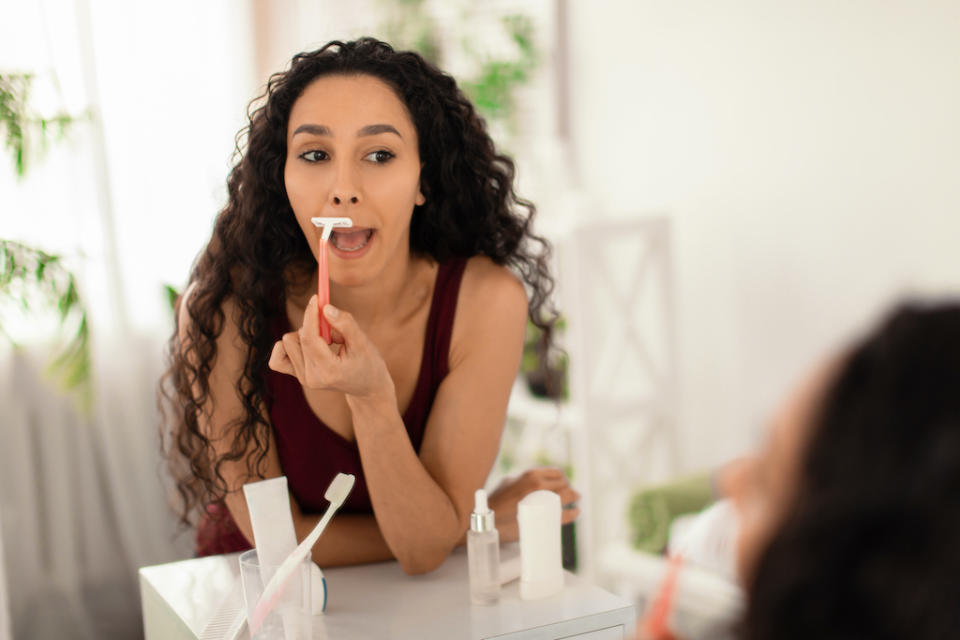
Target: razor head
<point>332,222</point>
<point>329,224</point>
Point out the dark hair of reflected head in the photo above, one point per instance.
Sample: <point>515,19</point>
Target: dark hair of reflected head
<point>258,249</point>
<point>871,547</point>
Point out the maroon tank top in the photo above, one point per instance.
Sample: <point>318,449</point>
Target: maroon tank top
<point>311,454</point>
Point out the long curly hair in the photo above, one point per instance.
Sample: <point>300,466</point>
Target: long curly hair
<point>871,547</point>
<point>258,250</point>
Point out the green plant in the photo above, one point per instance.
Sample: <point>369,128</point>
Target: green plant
<point>409,25</point>
<point>492,91</point>
<point>21,124</point>
<point>31,278</point>
<point>492,86</point>
<point>172,295</point>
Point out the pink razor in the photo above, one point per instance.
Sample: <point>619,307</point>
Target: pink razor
<point>323,270</point>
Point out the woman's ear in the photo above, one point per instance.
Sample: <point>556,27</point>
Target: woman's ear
<point>420,199</point>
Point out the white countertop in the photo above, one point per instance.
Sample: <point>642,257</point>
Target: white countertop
<point>380,601</point>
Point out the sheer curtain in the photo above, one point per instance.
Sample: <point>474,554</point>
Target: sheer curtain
<point>128,198</point>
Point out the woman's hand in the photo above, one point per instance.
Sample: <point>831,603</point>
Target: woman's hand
<point>351,364</point>
<point>506,497</point>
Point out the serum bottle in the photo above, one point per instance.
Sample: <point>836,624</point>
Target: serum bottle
<point>483,553</point>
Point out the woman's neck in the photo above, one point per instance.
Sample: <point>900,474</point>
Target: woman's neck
<point>397,292</point>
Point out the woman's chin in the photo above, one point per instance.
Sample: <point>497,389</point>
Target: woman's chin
<point>355,273</point>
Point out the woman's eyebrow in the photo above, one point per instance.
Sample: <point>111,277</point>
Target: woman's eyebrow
<point>315,129</point>
<point>369,130</point>
<point>374,129</point>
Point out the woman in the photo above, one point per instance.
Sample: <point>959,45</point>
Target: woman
<point>428,321</point>
<point>850,519</point>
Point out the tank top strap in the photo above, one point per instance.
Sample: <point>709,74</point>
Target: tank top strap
<point>435,358</point>
<point>443,308</point>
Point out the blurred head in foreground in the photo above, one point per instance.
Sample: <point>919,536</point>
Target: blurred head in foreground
<point>850,517</point>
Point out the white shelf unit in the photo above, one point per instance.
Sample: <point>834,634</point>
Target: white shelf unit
<point>618,428</point>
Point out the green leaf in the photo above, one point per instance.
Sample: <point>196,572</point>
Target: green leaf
<point>67,300</point>
<point>17,119</point>
<point>172,296</point>
<point>30,274</point>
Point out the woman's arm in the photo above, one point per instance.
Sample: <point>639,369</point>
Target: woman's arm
<point>422,503</point>
<point>424,515</point>
<point>349,539</point>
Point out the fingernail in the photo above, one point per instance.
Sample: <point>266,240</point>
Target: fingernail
<point>330,311</point>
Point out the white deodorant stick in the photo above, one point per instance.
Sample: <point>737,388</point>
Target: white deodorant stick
<point>541,562</point>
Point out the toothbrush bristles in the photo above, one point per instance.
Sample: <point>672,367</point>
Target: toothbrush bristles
<point>338,490</point>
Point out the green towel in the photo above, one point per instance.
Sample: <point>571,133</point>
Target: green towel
<point>653,509</point>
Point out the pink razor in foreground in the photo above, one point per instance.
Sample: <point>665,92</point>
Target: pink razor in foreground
<point>336,494</point>
<point>323,270</point>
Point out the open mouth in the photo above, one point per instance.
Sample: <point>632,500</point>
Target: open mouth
<point>350,240</point>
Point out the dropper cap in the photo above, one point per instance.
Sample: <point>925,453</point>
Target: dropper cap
<point>482,517</point>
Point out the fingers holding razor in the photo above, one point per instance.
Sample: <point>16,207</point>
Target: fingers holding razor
<point>287,356</point>
<point>305,355</point>
<point>343,325</point>
<point>280,361</point>
<point>350,364</point>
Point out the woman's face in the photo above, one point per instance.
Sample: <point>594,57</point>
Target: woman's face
<point>352,151</point>
<point>764,486</point>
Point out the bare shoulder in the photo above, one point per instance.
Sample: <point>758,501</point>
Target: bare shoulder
<point>489,288</point>
<point>230,347</point>
<point>491,308</point>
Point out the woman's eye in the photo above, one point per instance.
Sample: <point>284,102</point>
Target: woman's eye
<point>314,156</point>
<point>380,157</point>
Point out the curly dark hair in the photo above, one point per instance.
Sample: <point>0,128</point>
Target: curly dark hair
<point>871,547</point>
<point>258,250</point>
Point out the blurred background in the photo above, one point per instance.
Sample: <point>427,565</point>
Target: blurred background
<point>733,190</point>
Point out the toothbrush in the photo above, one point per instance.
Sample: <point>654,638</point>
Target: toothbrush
<point>323,270</point>
<point>336,494</point>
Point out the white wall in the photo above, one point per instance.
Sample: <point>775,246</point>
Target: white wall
<point>809,156</point>
<point>174,81</point>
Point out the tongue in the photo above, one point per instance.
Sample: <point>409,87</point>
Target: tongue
<point>350,239</point>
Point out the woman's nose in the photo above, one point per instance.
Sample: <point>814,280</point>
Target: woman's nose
<point>340,198</point>
<point>344,188</point>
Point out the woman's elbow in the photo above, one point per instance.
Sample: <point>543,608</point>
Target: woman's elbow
<point>423,560</point>
<point>419,566</point>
